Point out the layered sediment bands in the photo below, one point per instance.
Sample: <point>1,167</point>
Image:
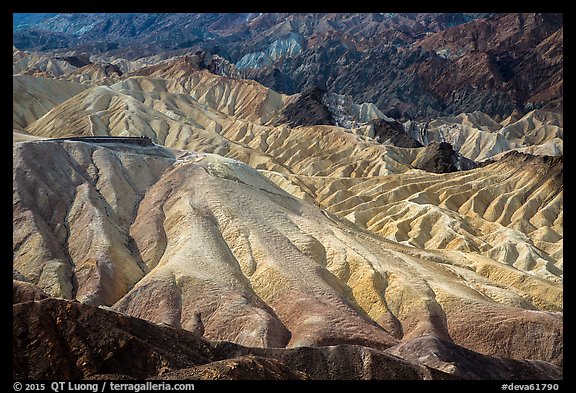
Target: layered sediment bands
<point>499,211</point>
<point>206,243</point>
<point>91,261</point>
<point>509,210</point>
<point>228,117</point>
<point>76,69</point>
<point>260,235</point>
<point>478,137</point>
<point>34,96</point>
<point>170,111</point>
<point>232,306</point>
<point>38,64</point>
<point>243,120</point>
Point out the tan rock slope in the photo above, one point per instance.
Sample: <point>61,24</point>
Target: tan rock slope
<point>343,170</point>
<point>33,97</point>
<point>236,227</point>
<point>73,68</point>
<point>205,243</point>
<point>479,137</point>
<point>510,211</point>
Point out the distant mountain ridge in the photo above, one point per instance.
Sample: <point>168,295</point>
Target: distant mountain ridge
<point>436,64</point>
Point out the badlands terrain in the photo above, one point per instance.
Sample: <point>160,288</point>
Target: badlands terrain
<point>399,216</point>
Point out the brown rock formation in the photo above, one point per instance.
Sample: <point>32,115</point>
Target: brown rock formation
<point>57,339</point>
<point>243,368</point>
<point>307,110</point>
<point>441,158</point>
<point>26,292</point>
<point>207,244</point>
<point>393,133</point>
<point>517,53</point>
<point>273,236</point>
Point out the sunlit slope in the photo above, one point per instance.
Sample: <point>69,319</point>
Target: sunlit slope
<point>76,69</point>
<point>208,244</point>
<point>478,137</point>
<point>33,97</point>
<point>510,211</point>
<point>230,117</point>
<point>38,64</point>
<point>199,101</point>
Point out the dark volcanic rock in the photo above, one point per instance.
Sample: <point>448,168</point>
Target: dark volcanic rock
<point>441,158</point>
<point>516,54</point>
<point>392,133</point>
<point>60,339</point>
<point>349,362</point>
<point>551,166</point>
<point>307,110</point>
<point>110,69</point>
<point>496,65</point>
<point>26,292</point>
<point>77,61</point>
<point>242,368</point>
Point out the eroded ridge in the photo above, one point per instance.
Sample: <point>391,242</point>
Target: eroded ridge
<point>233,257</point>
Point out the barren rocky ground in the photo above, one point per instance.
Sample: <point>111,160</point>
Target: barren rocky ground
<point>270,229</point>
